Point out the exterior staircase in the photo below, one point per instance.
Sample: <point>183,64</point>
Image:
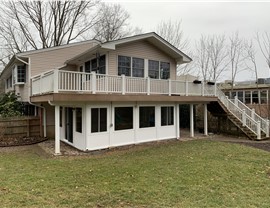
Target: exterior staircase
<point>250,123</point>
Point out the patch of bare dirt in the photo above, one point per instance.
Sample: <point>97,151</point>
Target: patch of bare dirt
<point>7,142</point>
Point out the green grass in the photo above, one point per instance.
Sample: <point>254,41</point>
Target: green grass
<point>175,174</point>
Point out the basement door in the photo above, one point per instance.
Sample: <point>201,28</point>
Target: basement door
<point>69,124</point>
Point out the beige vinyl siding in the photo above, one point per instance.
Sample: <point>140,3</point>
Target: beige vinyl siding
<point>48,60</point>
<point>140,49</point>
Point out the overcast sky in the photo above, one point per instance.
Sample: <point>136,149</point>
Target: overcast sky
<point>205,18</point>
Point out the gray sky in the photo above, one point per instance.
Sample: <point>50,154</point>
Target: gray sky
<point>205,18</point>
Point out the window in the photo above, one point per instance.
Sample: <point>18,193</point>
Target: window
<point>164,70</point>
<point>263,97</point>
<point>158,69</point>
<point>255,97</point>
<point>96,65</point>
<point>9,82</point>
<point>102,65</point>
<point>87,67</point>
<point>167,117</point>
<point>79,120</point>
<point>247,97</point>
<point>98,120</point>
<point>147,117</point>
<point>20,74</point>
<point>124,65</point>
<point>153,69</point>
<point>123,118</point>
<point>240,95</point>
<point>137,67</point>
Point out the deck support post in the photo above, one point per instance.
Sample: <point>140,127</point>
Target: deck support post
<point>205,120</point>
<point>148,86</point>
<point>94,82</point>
<point>177,121</point>
<point>258,130</point>
<point>191,121</point>
<point>267,128</point>
<point>57,130</point>
<point>123,84</point>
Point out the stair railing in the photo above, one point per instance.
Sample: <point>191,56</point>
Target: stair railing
<point>240,114</point>
<point>254,115</point>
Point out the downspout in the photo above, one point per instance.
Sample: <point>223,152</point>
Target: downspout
<point>44,117</point>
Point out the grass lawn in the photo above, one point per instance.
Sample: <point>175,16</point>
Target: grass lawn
<point>174,174</point>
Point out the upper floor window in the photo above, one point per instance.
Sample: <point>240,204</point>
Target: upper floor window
<point>158,70</point>
<point>97,65</point>
<point>19,74</point>
<point>153,69</point>
<point>124,67</point>
<point>164,70</point>
<point>136,69</point>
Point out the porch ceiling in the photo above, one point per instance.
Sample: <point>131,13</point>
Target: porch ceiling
<point>75,97</point>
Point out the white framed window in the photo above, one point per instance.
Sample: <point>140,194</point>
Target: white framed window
<point>97,65</point>
<point>98,120</point>
<point>19,74</point>
<point>130,66</point>
<point>167,115</point>
<point>158,69</point>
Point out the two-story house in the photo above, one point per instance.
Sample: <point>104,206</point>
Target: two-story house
<point>95,95</point>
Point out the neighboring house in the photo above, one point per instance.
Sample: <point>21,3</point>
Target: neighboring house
<point>253,95</point>
<point>95,95</point>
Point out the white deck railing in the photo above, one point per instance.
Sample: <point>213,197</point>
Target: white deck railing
<point>70,81</point>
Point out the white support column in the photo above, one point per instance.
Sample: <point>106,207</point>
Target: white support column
<point>244,117</point>
<point>205,120</point>
<point>55,80</point>
<point>215,89</point>
<point>148,86</point>
<point>258,130</point>
<point>123,84</point>
<point>177,121</point>
<point>191,121</point>
<point>93,82</point>
<point>170,86</point>
<point>57,130</point>
<point>44,123</point>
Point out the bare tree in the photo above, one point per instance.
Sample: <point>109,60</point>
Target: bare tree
<point>112,23</point>
<point>218,56</point>
<point>251,52</point>
<point>43,24</point>
<point>264,44</point>
<point>173,33</point>
<point>236,58</point>
<point>202,57</point>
